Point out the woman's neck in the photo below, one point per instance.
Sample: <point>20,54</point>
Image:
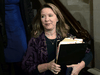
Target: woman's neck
<point>50,34</point>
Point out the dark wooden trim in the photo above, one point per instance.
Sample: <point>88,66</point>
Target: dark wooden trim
<point>92,32</point>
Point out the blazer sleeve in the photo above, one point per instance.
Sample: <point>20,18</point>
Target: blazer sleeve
<point>30,59</point>
<point>88,57</point>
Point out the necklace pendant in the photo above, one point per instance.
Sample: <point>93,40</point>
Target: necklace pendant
<point>52,43</point>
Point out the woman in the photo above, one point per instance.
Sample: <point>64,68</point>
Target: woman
<point>48,26</point>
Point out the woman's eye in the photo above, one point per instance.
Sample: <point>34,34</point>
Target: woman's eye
<point>50,15</point>
<point>42,16</point>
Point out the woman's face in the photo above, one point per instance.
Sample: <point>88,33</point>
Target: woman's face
<point>48,19</point>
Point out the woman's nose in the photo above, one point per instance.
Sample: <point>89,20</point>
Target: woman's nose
<point>46,18</point>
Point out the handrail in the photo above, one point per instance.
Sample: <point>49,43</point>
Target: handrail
<point>79,30</point>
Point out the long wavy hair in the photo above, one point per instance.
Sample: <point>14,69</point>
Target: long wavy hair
<point>61,28</point>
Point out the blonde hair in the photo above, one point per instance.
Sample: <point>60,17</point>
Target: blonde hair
<point>62,27</point>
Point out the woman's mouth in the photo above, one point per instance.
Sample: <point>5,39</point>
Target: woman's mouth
<point>47,24</point>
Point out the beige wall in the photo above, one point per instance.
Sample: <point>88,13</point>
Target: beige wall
<point>96,20</point>
<point>81,11</point>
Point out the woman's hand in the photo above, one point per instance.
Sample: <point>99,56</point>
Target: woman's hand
<point>53,67</point>
<point>77,67</point>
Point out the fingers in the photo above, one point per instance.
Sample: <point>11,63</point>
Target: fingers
<point>75,70</point>
<point>71,65</point>
<point>68,65</point>
<point>74,74</point>
<point>55,68</point>
<point>55,72</point>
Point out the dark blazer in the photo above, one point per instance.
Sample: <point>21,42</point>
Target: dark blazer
<point>37,54</point>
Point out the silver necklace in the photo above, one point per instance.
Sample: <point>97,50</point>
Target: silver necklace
<point>52,41</point>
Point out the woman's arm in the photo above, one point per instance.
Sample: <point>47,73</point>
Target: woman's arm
<point>30,59</point>
<point>52,66</point>
<point>88,57</point>
<point>77,67</point>
<point>85,61</point>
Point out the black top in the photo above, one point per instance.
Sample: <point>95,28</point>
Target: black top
<point>51,49</point>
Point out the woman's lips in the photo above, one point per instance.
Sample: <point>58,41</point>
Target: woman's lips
<point>47,24</point>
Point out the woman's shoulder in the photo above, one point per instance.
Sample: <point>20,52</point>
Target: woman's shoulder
<point>40,37</point>
<point>33,39</point>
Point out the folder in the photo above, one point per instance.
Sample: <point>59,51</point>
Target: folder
<point>70,53</point>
